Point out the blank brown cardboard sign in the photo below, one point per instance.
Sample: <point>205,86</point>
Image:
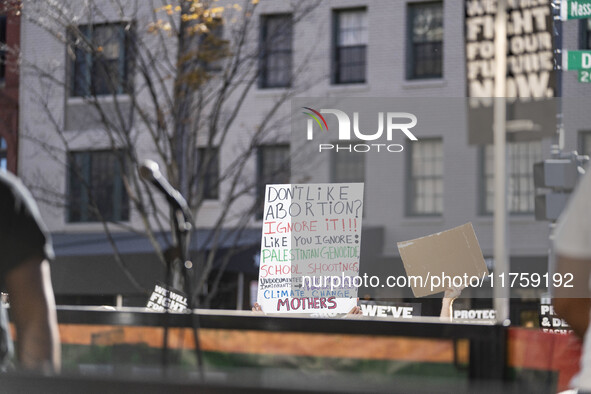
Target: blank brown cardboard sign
<point>453,252</point>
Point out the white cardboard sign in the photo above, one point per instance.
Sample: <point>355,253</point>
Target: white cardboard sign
<point>311,234</point>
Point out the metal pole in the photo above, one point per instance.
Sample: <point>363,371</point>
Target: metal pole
<point>240,291</point>
<point>500,293</point>
<point>558,141</point>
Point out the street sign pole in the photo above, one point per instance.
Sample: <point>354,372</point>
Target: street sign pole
<point>558,141</point>
<point>500,294</point>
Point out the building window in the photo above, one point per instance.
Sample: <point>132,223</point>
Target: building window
<point>209,170</point>
<point>106,67</point>
<point>96,187</point>
<point>276,51</point>
<point>348,167</point>
<point>3,154</point>
<point>213,48</point>
<point>2,51</point>
<point>273,167</point>
<point>521,157</point>
<point>350,46</point>
<point>584,143</point>
<point>585,34</point>
<point>425,178</point>
<point>425,42</point>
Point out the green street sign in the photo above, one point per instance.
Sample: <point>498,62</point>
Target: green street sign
<point>575,9</point>
<point>584,76</point>
<point>576,60</point>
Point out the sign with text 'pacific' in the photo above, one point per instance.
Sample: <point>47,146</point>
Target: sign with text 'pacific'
<point>310,247</point>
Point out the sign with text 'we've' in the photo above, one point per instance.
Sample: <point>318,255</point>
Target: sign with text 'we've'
<point>310,247</point>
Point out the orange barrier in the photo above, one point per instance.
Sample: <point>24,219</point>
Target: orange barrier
<point>262,342</point>
<point>538,350</point>
<point>527,349</point>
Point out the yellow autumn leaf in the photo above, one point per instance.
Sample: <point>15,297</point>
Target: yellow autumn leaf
<point>189,17</point>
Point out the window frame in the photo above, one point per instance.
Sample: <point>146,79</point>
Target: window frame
<point>84,204</point>
<point>90,74</point>
<point>265,54</point>
<point>582,147</point>
<point>482,178</point>
<point>410,180</point>
<point>585,34</point>
<point>260,182</point>
<point>410,45</point>
<point>334,163</point>
<point>217,31</point>
<point>215,162</point>
<point>335,73</point>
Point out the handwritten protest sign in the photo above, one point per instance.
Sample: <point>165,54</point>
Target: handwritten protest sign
<point>310,247</point>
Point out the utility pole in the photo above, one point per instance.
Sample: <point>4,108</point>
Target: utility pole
<point>500,293</point>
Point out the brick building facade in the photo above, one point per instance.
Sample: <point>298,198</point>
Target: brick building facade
<point>9,89</point>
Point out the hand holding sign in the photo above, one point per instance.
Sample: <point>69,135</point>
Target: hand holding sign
<point>435,261</point>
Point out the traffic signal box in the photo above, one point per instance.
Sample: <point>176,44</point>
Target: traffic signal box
<point>557,178</point>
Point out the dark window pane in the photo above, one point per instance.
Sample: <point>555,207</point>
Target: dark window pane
<point>350,46</point>
<point>584,143</point>
<point>104,68</point>
<point>108,64</point>
<point>426,40</point>
<point>2,42</point>
<point>276,51</point>
<point>213,47</point>
<point>209,170</point>
<point>351,64</point>
<point>273,167</point>
<point>3,154</point>
<point>348,167</point>
<point>96,187</point>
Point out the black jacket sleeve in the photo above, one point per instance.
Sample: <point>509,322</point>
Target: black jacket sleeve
<point>22,232</point>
